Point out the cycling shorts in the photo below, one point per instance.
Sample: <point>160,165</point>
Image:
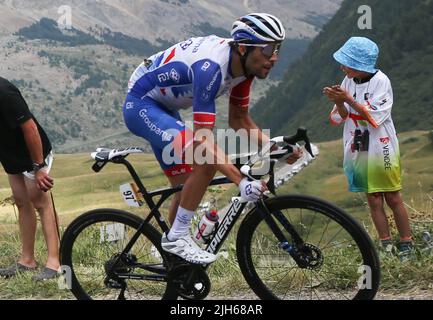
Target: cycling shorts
<point>163,129</point>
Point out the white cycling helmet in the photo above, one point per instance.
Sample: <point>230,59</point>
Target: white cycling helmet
<point>258,28</point>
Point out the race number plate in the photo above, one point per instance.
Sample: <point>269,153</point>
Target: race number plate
<point>131,195</point>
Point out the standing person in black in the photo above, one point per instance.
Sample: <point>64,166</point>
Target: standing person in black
<point>25,154</point>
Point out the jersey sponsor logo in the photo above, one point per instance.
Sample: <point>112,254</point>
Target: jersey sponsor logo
<point>184,45</point>
<point>214,79</point>
<point>225,225</point>
<point>165,76</point>
<point>384,140</point>
<point>386,157</point>
<point>165,136</point>
<point>205,66</point>
<point>383,102</point>
<point>371,107</point>
<point>195,49</point>
<point>205,96</point>
<point>174,75</point>
<point>178,172</point>
<point>385,151</point>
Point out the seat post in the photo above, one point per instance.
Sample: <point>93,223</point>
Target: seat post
<point>138,182</point>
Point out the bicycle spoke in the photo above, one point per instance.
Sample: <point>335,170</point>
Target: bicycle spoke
<point>334,254</point>
<point>98,245</point>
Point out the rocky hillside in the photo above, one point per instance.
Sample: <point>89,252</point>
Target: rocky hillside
<point>74,80</point>
<point>170,20</point>
<point>404,33</point>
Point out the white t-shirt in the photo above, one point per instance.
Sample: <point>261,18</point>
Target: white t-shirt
<point>371,150</point>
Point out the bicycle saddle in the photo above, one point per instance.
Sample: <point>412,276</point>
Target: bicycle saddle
<point>105,154</point>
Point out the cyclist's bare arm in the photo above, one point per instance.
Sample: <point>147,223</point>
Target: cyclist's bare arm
<point>239,118</point>
<point>218,156</point>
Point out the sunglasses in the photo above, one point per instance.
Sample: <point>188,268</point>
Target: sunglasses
<point>268,49</point>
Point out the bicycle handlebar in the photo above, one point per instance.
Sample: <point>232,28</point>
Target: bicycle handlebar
<point>288,142</point>
<point>300,135</point>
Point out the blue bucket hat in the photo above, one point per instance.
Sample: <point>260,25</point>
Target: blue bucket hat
<point>358,53</point>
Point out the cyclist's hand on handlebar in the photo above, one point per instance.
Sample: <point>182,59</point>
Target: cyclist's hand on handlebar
<point>252,190</point>
<point>296,154</point>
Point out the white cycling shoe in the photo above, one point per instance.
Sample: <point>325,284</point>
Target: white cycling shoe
<point>187,249</point>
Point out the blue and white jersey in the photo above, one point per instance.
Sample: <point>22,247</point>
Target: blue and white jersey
<point>190,73</point>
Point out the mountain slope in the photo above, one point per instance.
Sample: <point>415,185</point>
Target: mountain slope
<point>171,20</point>
<point>75,80</point>
<point>404,33</point>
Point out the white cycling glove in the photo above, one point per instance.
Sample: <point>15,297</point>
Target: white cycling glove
<point>250,190</point>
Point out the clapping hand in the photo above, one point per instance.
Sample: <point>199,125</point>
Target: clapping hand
<point>336,94</point>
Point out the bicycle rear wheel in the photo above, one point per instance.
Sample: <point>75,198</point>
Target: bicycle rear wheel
<point>91,245</point>
<point>341,260</point>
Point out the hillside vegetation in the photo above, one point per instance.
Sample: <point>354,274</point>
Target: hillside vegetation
<point>404,32</point>
<point>79,189</point>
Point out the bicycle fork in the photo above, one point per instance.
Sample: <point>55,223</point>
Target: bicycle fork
<point>293,248</point>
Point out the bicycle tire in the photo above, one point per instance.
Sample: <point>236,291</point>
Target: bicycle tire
<point>254,254</point>
<point>71,251</point>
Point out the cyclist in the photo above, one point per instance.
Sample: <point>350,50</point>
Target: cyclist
<point>194,73</point>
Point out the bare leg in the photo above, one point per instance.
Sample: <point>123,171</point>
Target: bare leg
<point>196,185</point>
<point>375,201</point>
<point>27,219</point>
<point>43,204</point>
<point>175,181</point>
<point>395,202</point>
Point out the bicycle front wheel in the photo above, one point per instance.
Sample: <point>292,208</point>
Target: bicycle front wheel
<point>338,259</point>
<point>91,248</point>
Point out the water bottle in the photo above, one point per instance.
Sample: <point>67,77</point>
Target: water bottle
<point>206,226</point>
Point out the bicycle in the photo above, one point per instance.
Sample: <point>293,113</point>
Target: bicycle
<point>290,246</point>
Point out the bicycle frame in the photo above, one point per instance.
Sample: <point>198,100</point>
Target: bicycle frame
<point>220,234</point>
<point>222,230</point>
<point>231,216</point>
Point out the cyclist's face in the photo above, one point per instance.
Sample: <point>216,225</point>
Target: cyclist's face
<point>259,62</point>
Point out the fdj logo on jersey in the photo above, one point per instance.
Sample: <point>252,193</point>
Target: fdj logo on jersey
<point>173,75</point>
<point>205,66</point>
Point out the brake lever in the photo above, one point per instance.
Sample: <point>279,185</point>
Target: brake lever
<point>301,135</point>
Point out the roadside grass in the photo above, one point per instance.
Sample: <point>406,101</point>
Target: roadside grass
<point>79,189</point>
